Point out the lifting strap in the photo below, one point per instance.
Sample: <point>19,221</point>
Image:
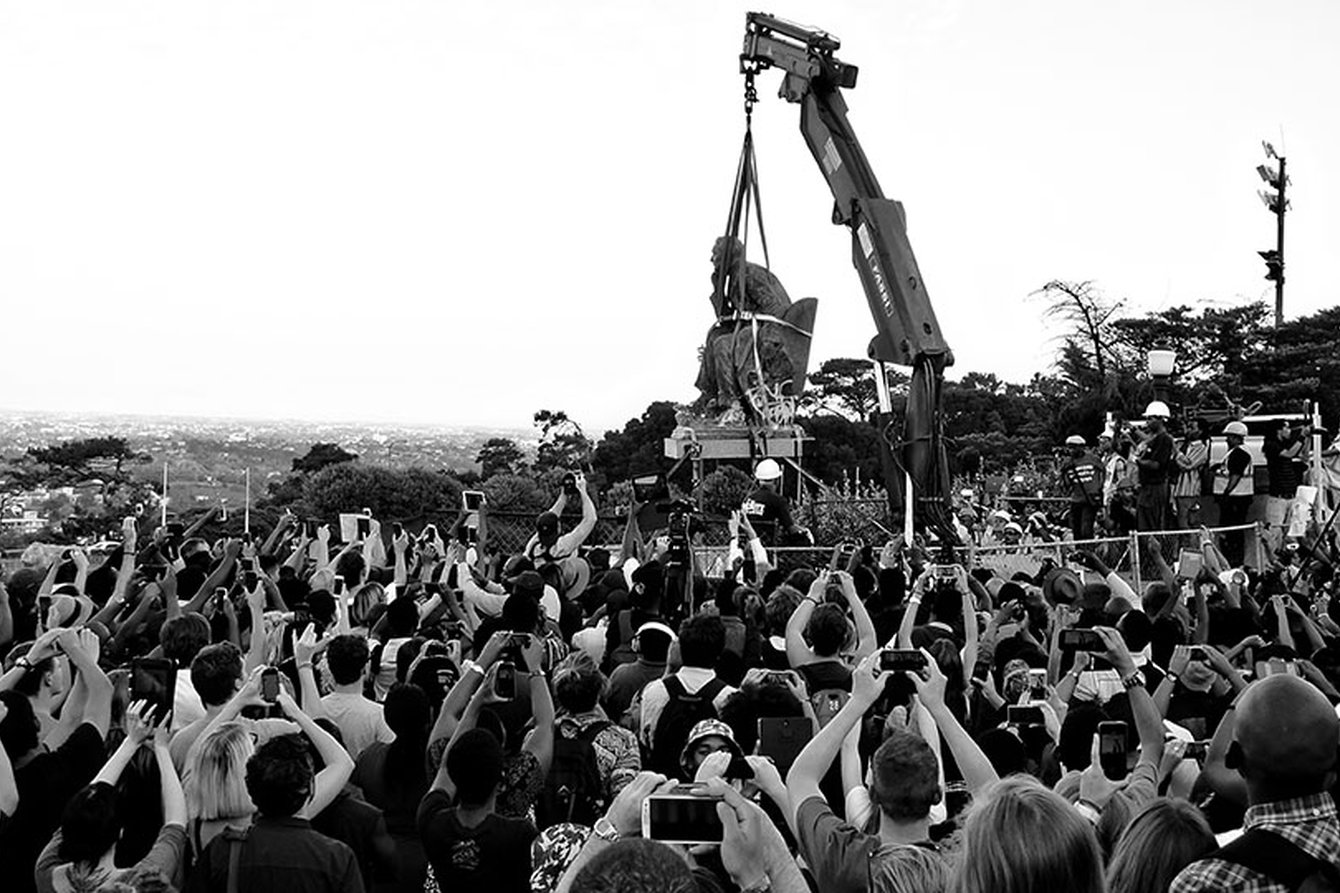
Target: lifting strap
<point>728,281</point>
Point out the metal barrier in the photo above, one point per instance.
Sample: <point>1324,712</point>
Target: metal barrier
<point>1124,554</point>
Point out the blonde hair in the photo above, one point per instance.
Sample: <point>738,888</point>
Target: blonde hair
<point>1022,838</point>
<point>1164,837</point>
<point>369,596</point>
<point>215,778</point>
<point>903,869</point>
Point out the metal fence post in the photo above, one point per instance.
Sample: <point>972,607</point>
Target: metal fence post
<point>1135,563</point>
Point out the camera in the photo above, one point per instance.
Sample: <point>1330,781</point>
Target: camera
<point>570,484</point>
<point>680,524</point>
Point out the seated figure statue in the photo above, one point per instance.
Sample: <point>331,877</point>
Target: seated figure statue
<point>755,355</point>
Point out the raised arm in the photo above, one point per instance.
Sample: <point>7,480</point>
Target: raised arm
<point>255,656</point>
<point>802,782</point>
<point>798,654</point>
<point>976,768</point>
<point>866,639</point>
<point>570,542</point>
<point>174,801</point>
<point>339,765</point>
<point>9,791</point>
<point>540,741</point>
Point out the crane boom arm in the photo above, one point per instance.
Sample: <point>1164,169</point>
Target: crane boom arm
<point>908,334</point>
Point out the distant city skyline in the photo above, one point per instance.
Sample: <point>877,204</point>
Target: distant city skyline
<point>461,213</point>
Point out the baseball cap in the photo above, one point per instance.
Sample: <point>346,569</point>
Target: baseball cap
<point>546,522</point>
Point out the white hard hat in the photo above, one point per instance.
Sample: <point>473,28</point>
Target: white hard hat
<point>1074,440</point>
<point>1237,428</point>
<point>1157,410</point>
<point>768,470</point>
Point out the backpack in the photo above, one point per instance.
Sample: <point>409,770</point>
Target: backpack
<point>1281,860</point>
<point>573,790</point>
<point>827,702</point>
<point>681,713</point>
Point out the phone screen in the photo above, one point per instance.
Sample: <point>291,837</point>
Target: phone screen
<point>1112,749</point>
<point>504,683</point>
<point>683,819</point>
<point>154,680</point>
<point>1017,715</point>
<point>1081,640</point>
<point>270,685</point>
<point>896,659</point>
<point>363,526</point>
<point>473,500</point>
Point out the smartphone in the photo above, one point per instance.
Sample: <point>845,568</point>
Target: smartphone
<point>901,659</point>
<point>270,685</point>
<point>980,669</point>
<point>782,738</point>
<point>154,680</point>
<point>957,797</point>
<point>686,819</point>
<point>1189,564</point>
<point>310,526</point>
<point>1198,654</point>
<point>1081,640</point>
<point>429,533</point>
<point>519,641</point>
<point>337,587</point>
<point>176,529</point>
<point>570,484</point>
<point>363,526</point>
<point>397,529</point>
<point>220,596</point>
<point>151,572</point>
<point>473,499</point>
<point>1017,715</point>
<point>1196,750</point>
<point>504,683</point>
<point>249,577</point>
<point>1037,683</point>
<point>1112,749</point>
<point>944,571</point>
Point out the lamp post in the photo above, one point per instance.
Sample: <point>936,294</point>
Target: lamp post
<point>1161,362</point>
<point>1276,204</point>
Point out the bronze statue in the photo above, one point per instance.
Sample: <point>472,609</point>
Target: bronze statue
<point>755,356</point>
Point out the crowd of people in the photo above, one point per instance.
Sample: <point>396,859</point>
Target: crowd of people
<point>416,710</point>
<point>1157,476</point>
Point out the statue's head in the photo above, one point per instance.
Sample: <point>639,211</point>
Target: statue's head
<point>726,250</point>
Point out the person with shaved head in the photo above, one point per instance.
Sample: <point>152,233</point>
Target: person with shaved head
<point>1285,736</point>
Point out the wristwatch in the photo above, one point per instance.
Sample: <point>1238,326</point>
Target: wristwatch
<point>605,830</point>
<point>1134,680</point>
<point>1088,810</point>
<point>24,663</point>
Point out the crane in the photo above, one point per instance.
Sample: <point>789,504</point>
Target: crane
<point>908,333</point>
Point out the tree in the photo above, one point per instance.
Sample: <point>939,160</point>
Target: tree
<point>724,489</point>
<point>392,494</point>
<point>846,386</point>
<point>639,448</point>
<point>1086,347</point>
<point>72,461</point>
<point>322,455</point>
<point>500,455</point>
<point>563,445</point>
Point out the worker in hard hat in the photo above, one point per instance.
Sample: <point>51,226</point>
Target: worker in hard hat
<point>1156,465</point>
<point>767,509</point>
<point>1234,486</point>
<point>1082,473</point>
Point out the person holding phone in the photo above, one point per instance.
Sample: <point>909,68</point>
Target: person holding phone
<point>81,853</point>
<point>547,545</point>
<point>472,702</point>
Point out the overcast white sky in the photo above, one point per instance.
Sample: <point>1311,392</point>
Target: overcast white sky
<point>460,213</point>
